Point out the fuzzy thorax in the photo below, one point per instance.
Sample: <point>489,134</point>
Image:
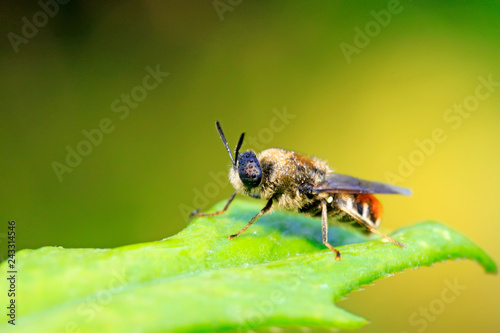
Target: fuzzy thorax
<point>283,174</point>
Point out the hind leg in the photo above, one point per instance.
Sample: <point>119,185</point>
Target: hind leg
<point>366,210</point>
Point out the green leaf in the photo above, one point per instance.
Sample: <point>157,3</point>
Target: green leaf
<point>278,273</point>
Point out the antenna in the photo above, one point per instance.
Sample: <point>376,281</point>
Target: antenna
<point>224,141</point>
<point>238,146</point>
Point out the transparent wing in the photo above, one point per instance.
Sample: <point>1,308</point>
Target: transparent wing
<point>336,183</point>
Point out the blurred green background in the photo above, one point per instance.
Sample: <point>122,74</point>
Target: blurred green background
<point>244,62</point>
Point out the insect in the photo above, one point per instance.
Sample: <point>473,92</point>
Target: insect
<point>294,182</point>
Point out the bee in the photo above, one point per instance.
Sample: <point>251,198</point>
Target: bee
<point>291,181</point>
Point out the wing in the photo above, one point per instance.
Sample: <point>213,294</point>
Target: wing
<point>336,183</point>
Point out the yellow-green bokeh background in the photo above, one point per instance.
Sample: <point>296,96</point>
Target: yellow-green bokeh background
<point>360,116</point>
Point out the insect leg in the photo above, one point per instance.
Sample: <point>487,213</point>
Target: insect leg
<point>264,210</point>
<point>324,229</point>
<point>195,212</point>
<point>347,204</point>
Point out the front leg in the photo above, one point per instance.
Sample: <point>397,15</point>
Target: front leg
<point>197,214</point>
<point>264,210</point>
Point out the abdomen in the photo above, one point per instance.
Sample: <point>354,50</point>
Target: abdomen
<point>347,207</point>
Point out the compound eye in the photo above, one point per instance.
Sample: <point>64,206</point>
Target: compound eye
<point>249,169</point>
